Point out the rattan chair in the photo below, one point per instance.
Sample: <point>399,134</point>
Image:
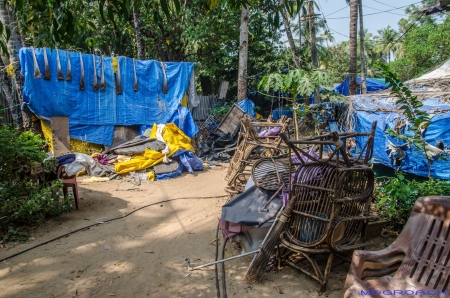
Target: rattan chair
<point>419,257</point>
<point>251,147</point>
<point>328,209</point>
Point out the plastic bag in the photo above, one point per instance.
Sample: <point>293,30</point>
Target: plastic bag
<point>73,168</point>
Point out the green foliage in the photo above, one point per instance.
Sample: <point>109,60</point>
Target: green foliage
<point>396,199</point>
<point>220,111</point>
<point>297,81</point>
<point>423,48</point>
<point>273,81</point>
<point>29,190</point>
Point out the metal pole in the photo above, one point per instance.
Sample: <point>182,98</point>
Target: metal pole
<point>224,260</point>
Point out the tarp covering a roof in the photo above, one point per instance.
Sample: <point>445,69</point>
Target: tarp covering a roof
<point>373,85</point>
<point>396,153</point>
<point>93,114</point>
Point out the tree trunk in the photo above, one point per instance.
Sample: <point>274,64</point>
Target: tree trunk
<point>300,30</point>
<point>353,45</point>
<point>312,34</point>
<point>5,83</point>
<point>362,52</point>
<point>139,41</point>
<point>14,44</point>
<point>287,27</point>
<point>243,54</point>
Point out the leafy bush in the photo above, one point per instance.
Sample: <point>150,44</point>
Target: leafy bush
<point>29,190</point>
<point>396,198</point>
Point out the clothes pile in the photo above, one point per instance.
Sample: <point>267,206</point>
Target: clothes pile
<point>162,152</point>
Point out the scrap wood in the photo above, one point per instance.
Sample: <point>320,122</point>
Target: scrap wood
<point>277,288</point>
<point>213,241</point>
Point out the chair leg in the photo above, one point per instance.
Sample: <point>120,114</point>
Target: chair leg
<point>323,288</point>
<point>77,198</point>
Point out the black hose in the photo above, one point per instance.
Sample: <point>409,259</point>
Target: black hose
<point>224,283</point>
<point>216,272</point>
<point>109,220</point>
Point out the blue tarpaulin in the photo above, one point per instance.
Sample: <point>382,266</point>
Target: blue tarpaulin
<point>247,106</point>
<point>413,161</point>
<point>373,85</point>
<point>93,114</point>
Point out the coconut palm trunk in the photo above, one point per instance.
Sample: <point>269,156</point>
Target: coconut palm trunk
<point>139,41</point>
<point>362,51</point>
<point>353,45</point>
<point>243,54</point>
<point>312,34</point>
<point>287,27</point>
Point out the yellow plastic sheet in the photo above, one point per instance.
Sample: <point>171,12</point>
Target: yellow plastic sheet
<point>151,176</point>
<point>172,135</point>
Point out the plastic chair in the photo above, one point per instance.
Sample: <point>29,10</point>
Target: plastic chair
<point>69,182</point>
<point>419,257</point>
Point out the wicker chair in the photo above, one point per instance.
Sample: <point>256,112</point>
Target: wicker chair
<point>251,147</point>
<point>328,207</point>
<point>419,257</point>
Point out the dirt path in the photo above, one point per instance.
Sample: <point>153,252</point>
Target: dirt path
<point>143,254</point>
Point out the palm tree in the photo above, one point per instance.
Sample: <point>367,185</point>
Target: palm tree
<point>287,27</point>
<point>243,53</point>
<point>353,45</point>
<point>362,51</point>
<point>385,42</point>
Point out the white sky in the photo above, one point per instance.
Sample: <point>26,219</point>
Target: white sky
<point>339,21</point>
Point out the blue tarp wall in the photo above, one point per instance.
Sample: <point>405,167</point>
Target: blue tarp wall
<point>382,110</point>
<point>373,85</point>
<point>93,114</point>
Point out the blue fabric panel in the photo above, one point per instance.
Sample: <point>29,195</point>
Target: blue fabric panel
<point>189,160</point>
<point>97,134</point>
<point>373,85</point>
<point>146,106</point>
<point>247,106</point>
<point>183,120</point>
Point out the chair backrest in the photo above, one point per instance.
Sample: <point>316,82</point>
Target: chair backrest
<point>324,195</point>
<point>425,241</point>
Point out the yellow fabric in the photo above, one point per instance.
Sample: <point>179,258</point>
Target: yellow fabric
<point>184,102</point>
<point>151,176</point>
<point>47,132</point>
<point>172,135</point>
<point>75,145</point>
<point>258,116</point>
<point>114,63</point>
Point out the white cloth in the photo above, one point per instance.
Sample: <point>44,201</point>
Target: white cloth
<point>159,137</point>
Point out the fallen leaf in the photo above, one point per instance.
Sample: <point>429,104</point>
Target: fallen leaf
<point>80,270</point>
<point>213,241</point>
<point>111,294</point>
<point>149,252</point>
<point>134,271</point>
<point>158,275</point>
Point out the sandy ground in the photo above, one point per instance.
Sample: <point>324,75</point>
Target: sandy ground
<point>143,254</point>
